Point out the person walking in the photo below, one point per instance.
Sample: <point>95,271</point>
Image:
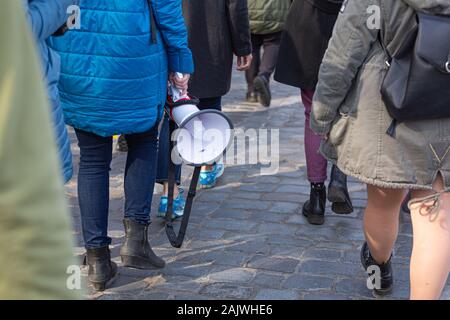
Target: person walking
<point>35,229</point>
<point>116,83</point>
<point>45,18</point>
<point>348,109</point>
<point>309,27</point>
<point>218,31</point>
<point>267,19</point>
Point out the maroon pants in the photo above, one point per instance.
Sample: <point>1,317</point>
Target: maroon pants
<point>316,165</point>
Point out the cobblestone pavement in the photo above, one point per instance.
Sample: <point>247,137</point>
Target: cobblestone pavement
<point>246,238</point>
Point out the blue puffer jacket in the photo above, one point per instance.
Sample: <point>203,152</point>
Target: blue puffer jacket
<point>114,78</point>
<point>45,18</point>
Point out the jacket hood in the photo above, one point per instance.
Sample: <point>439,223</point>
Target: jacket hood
<point>441,7</point>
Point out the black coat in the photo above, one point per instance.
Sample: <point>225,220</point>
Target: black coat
<point>217,30</point>
<point>308,29</point>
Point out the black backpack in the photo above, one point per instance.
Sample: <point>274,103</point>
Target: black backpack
<point>417,84</point>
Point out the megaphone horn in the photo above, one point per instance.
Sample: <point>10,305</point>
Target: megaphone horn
<point>203,135</point>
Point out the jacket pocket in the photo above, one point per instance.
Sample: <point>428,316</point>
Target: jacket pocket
<point>339,129</point>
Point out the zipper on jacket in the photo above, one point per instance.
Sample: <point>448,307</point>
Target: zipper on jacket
<point>153,38</point>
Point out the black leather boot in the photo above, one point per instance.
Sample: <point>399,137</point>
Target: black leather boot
<point>314,208</point>
<point>136,252</point>
<point>338,192</point>
<point>262,87</point>
<point>102,271</point>
<point>386,273</point>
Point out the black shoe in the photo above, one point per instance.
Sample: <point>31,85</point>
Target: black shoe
<point>122,144</point>
<point>262,87</point>
<point>314,208</point>
<point>102,271</point>
<point>387,275</point>
<point>136,252</point>
<point>338,193</point>
<point>252,97</point>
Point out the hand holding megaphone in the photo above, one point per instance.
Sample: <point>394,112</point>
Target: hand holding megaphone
<point>179,85</point>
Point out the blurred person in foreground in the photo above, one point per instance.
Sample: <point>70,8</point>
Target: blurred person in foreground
<point>35,241</point>
<point>267,19</point>
<point>218,30</point>
<point>350,112</point>
<point>115,72</point>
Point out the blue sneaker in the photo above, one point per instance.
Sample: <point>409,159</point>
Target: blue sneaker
<point>178,205</point>
<point>208,179</point>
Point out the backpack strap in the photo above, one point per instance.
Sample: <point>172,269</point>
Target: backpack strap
<point>153,39</point>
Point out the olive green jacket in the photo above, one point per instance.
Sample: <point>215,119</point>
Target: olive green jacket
<point>268,16</point>
<point>35,234</point>
<point>348,106</point>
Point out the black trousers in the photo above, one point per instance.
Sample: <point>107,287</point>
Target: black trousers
<point>263,65</point>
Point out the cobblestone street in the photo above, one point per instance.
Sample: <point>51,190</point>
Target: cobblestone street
<point>247,238</point>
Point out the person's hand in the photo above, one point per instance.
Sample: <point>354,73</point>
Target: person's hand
<point>180,83</point>
<point>244,63</point>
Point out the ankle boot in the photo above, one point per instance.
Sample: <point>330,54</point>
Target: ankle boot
<point>338,193</point>
<point>386,273</point>
<point>102,271</point>
<point>136,252</point>
<point>314,208</point>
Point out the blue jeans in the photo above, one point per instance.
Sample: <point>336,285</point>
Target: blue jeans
<point>162,173</point>
<point>93,182</point>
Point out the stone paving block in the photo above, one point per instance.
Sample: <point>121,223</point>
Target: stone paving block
<point>233,275</point>
<point>304,282</point>
<point>248,204</point>
<point>223,257</point>
<point>214,197</point>
<point>268,280</point>
<point>285,207</point>
<point>322,254</point>
<point>208,234</point>
<point>298,189</point>
<point>286,265</point>
<point>288,251</point>
<point>328,268</point>
<point>286,197</point>
<point>258,187</point>
<point>325,296</point>
<point>250,246</point>
<point>227,290</point>
<point>187,270</point>
<point>273,294</point>
<point>288,240</point>
<point>316,233</point>
<point>276,228</point>
<point>231,214</point>
<point>176,284</point>
<point>268,216</point>
<point>245,195</point>
<point>355,288</point>
<point>232,225</point>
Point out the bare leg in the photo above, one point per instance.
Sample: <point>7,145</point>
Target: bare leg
<point>381,221</point>
<point>430,260</point>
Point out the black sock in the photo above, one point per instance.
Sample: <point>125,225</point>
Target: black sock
<point>318,185</point>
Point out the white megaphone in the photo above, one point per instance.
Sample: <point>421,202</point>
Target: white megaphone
<point>203,135</point>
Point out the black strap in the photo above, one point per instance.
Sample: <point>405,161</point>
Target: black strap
<point>177,241</point>
<point>153,39</point>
